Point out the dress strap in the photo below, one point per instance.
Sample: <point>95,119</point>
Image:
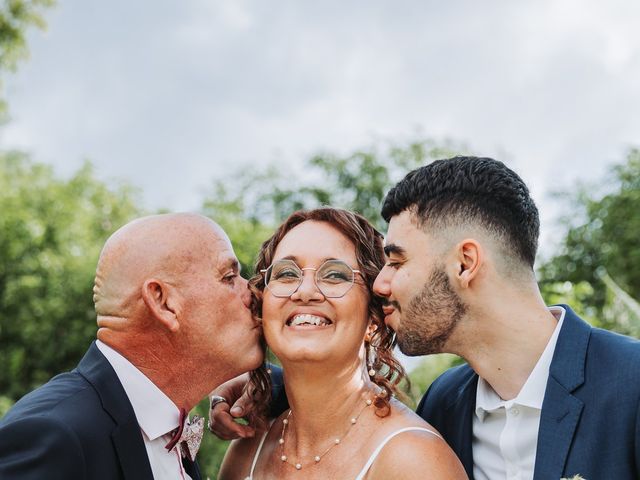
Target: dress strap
<point>257,454</point>
<point>379,448</point>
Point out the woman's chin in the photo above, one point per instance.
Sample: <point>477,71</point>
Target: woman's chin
<point>297,352</point>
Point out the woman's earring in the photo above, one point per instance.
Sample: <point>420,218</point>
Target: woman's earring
<point>371,360</point>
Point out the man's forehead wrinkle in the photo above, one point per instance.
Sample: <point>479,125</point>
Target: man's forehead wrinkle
<point>225,259</point>
<point>234,264</point>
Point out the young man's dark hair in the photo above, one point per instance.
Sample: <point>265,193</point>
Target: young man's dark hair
<point>470,189</point>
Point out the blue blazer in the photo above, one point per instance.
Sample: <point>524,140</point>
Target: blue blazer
<point>590,419</point>
<point>80,425</point>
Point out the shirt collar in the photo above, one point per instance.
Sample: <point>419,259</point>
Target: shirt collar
<point>532,392</point>
<point>157,415</point>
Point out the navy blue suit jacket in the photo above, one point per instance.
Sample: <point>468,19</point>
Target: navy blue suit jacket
<point>80,425</point>
<point>590,419</point>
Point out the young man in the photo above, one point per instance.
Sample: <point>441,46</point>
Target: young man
<point>174,323</point>
<point>543,394</point>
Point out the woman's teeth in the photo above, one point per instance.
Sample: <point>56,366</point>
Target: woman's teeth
<point>307,319</point>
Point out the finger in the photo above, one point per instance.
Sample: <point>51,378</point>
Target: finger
<point>223,425</point>
<point>242,405</point>
<point>220,421</point>
<point>232,389</point>
<point>238,410</point>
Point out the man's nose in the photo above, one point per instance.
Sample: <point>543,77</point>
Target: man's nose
<point>381,285</point>
<point>245,293</point>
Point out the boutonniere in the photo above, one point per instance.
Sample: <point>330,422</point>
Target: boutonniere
<point>575,477</point>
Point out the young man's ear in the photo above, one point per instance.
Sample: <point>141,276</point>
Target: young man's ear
<point>158,297</point>
<point>469,260</point>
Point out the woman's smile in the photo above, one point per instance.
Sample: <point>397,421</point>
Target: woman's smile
<point>307,319</point>
<point>304,323</point>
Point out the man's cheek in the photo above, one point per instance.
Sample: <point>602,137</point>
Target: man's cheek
<point>399,284</point>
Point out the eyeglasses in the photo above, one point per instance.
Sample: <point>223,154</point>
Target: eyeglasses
<point>334,278</point>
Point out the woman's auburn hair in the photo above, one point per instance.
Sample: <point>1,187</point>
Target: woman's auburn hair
<point>368,243</point>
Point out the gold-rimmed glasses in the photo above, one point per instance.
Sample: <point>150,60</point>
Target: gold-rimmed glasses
<point>334,278</point>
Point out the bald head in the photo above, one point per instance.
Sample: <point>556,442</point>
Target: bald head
<point>169,297</point>
<point>164,246</point>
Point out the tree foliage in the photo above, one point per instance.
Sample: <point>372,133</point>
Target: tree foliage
<point>602,242</point>
<point>51,233</point>
<point>16,16</point>
<point>357,181</point>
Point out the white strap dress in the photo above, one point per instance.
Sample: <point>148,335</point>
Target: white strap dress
<point>369,462</point>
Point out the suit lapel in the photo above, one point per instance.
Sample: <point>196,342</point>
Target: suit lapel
<point>461,434</point>
<point>191,468</point>
<point>558,421</point>
<point>561,411</point>
<point>130,448</point>
<point>126,436</point>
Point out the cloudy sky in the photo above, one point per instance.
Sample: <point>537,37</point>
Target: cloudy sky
<point>169,95</point>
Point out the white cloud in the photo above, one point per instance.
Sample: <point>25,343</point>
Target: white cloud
<point>171,94</point>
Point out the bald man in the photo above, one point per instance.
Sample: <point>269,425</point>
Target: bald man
<point>174,323</point>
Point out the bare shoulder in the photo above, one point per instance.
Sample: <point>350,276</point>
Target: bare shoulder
<point>417,454</point>
<point>236,463</point>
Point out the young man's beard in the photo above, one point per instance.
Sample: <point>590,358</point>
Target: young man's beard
<point>431,316</point>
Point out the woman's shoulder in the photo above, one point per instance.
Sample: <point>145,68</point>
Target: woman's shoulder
<point>240,455</point>
<point>417,454</point>
<point>403,422</point>
<point>414,449</point>
<point>403,417</point>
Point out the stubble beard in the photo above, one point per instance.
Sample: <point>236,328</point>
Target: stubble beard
<point>431,317</point>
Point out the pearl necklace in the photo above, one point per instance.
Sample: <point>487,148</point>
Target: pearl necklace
<point>316,459</point>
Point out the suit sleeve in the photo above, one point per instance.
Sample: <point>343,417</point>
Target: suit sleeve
<point>425,407</point>
<point>34,448</point>
<point>637,442</point>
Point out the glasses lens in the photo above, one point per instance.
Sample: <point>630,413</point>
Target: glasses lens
<point>334,278</point>
<point>283,278</point>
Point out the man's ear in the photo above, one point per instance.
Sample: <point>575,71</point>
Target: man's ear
<point>158,298</point>
<point>469,260</point>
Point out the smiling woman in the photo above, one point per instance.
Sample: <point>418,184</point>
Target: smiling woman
<point>320,318</point>
<point>350,233</point>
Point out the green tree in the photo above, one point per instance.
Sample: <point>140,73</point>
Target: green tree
<point>51,233</point>
<point>599,260</point>
<point>231,212</point>
<point>357,181</point>
<point>427,371</point>
<point>361,180</point>
<point>16,16</point>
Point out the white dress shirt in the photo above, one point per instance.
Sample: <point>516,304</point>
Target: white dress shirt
<point>505,432</point>
<point>157,416</point>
